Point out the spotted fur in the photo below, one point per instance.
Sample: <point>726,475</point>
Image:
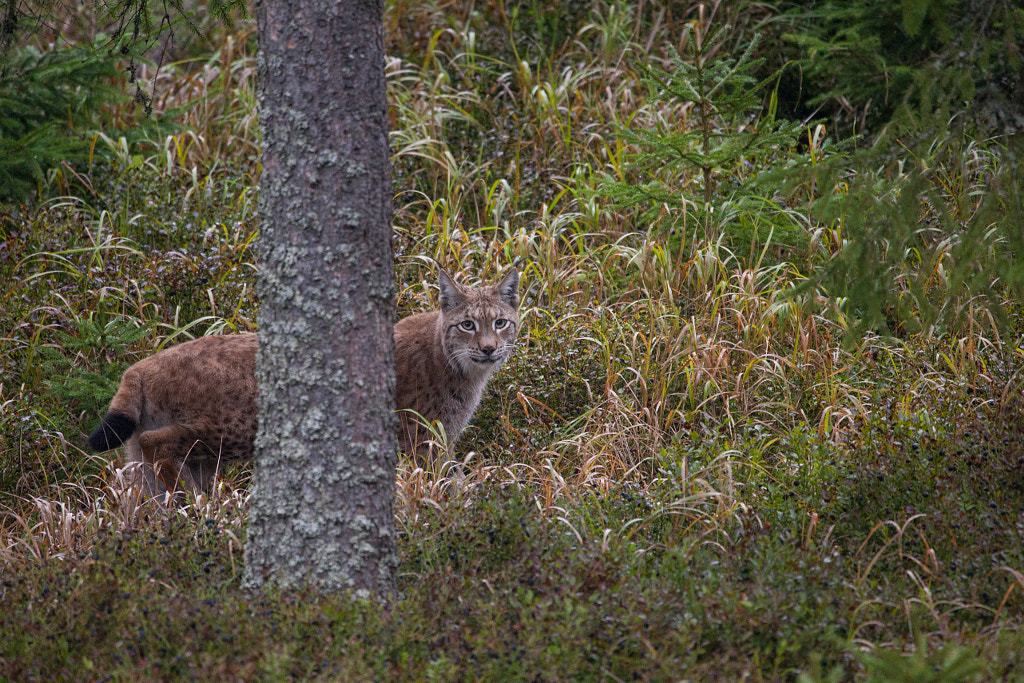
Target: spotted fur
<point>183,412</point>
<point>442,366</point>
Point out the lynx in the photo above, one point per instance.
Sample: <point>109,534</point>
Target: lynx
<point>183,411</point>
<point>444,358</point>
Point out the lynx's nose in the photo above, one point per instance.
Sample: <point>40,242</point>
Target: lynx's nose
<point>487,350</point>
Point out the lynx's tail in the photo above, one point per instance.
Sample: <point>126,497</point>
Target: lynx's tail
<point>122,418</point>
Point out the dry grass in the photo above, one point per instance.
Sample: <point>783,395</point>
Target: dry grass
<point>681,415</point>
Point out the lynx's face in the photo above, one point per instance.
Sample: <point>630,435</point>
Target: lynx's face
<point>480,324</point>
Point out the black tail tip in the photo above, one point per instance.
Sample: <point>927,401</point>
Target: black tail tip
<point>115,429</point>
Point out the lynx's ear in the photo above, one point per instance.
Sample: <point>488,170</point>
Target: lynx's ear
<point>451,295</point>
<point>508,288</point>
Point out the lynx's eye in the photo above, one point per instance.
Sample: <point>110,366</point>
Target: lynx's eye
<point>468,325</point>
<point>500,324</point>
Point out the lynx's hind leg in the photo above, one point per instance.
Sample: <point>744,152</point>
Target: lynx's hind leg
<point>204,471</point>
<point>140,473</point>
<point>166,450</point>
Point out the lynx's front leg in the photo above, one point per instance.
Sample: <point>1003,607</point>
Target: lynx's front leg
<point>166,450</point>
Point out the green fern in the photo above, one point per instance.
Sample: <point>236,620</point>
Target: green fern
<point>735,140</point>
<point>949,664</point>
<point>817,674</point>
<point>48,105</point>
<point>926,239</point>
<point>866,62</point>
<point>82,367</point>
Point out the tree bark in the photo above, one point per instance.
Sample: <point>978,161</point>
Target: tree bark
<point>324,478</point>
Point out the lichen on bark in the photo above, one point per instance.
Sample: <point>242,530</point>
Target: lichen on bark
<point>325,453</point>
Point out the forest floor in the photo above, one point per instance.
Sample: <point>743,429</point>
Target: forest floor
<point>689,471</point>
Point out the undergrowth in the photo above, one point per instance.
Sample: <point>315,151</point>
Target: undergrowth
<point>698,465</point>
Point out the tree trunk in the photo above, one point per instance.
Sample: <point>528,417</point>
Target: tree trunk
<point>325,450</point>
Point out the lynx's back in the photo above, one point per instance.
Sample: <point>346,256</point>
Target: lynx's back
<point>443,359</point>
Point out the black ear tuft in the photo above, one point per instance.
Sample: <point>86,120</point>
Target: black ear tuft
<point>508,288</point>
<point>115,429</point>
